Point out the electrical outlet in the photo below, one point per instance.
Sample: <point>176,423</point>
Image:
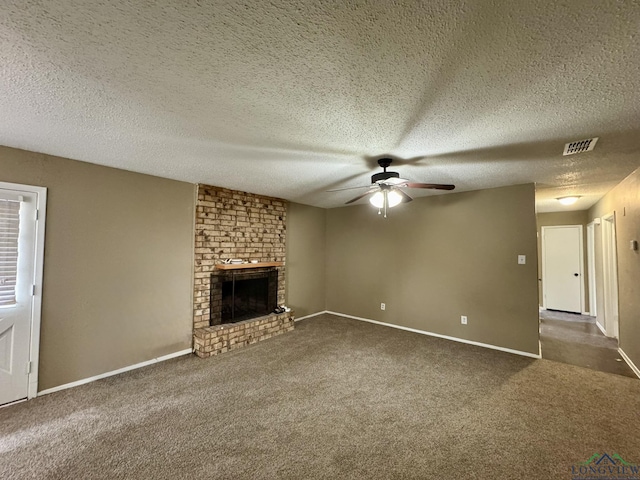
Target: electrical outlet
<point>383,306</point>
<point>463,319</point>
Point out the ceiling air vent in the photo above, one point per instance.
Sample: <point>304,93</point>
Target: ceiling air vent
<point>580,146</point>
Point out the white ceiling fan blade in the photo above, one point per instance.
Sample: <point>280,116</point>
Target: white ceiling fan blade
<point>346,188</point>
<point>369,192</point>
<point>405,197</point>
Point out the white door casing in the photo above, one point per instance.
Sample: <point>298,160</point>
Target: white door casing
<point>562,268</point>
<point>610,275</point>
<point>591,268</point>
<point>20,319</point>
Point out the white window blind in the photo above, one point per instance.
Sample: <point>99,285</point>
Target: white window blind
<point>9,230</point>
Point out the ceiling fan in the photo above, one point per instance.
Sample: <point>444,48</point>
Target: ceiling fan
<point>386,187</point>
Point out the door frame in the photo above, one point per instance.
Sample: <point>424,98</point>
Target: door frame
<point>581,264</point>
<point>36,306</point>
<point>610,275</point>
<point>591,268</point>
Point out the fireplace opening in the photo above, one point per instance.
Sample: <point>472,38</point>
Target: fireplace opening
<point>244,295</point>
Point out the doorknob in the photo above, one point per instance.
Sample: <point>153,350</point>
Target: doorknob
<point>575,274</point>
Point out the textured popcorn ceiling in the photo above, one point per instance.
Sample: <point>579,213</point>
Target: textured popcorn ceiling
<point>290,98</point>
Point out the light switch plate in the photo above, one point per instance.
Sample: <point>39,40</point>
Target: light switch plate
<point>522,259</point>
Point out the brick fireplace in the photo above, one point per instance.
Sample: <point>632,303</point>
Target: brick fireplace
<point>236,225</point>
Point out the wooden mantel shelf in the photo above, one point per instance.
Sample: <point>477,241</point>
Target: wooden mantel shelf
<point>235,266</point>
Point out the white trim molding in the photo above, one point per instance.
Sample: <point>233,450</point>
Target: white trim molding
<point>610,291</point>
<point>446,337</point>
<point>591,267</point>
<point>116,372</point>
<point>310,316</point>
<point>39,288</point>
<point>632,365</point>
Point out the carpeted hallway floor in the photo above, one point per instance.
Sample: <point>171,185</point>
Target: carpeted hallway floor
<point>336,398</point>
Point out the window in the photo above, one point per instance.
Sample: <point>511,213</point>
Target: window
<point>9,230</point>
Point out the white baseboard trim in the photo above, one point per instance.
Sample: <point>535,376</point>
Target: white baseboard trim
<point>446,337</point>
<point>604,332</point>
<point>115,372</point>
<point>633,367</point>
<point>309,316</point>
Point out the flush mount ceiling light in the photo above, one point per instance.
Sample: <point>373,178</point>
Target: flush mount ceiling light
<point>568,200</point>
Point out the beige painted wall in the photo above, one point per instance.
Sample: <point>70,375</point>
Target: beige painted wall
<point>118,265</point>
<point>437,258</point>
<point>581,218</point>
<point>306,256</point>
<point>624,201</point>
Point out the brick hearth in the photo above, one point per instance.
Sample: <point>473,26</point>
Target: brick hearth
<point>210,341</point>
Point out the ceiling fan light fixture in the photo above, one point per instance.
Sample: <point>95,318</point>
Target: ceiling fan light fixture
<point>386,189</point>
<point>377,199</point>
<point>392,196</point>
<point>568,200</point>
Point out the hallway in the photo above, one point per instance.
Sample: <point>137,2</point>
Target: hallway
<point>577,340</point>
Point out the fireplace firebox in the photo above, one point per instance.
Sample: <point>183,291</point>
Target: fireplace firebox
<point>241,295</point>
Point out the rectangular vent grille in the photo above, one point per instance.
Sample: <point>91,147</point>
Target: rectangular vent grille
<point>580,146</point>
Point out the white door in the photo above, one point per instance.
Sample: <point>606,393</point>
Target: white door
<point>610,275</point>
<point>17,280</point>
<point>562,268</point>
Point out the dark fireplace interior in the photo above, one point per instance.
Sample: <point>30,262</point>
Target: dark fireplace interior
<point>246,295</point>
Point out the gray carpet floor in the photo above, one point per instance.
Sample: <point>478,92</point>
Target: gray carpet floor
<point>336,398</point>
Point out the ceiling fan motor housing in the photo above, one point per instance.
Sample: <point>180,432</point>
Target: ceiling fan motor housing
<point>382,176</point>
<point>376,177</point>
